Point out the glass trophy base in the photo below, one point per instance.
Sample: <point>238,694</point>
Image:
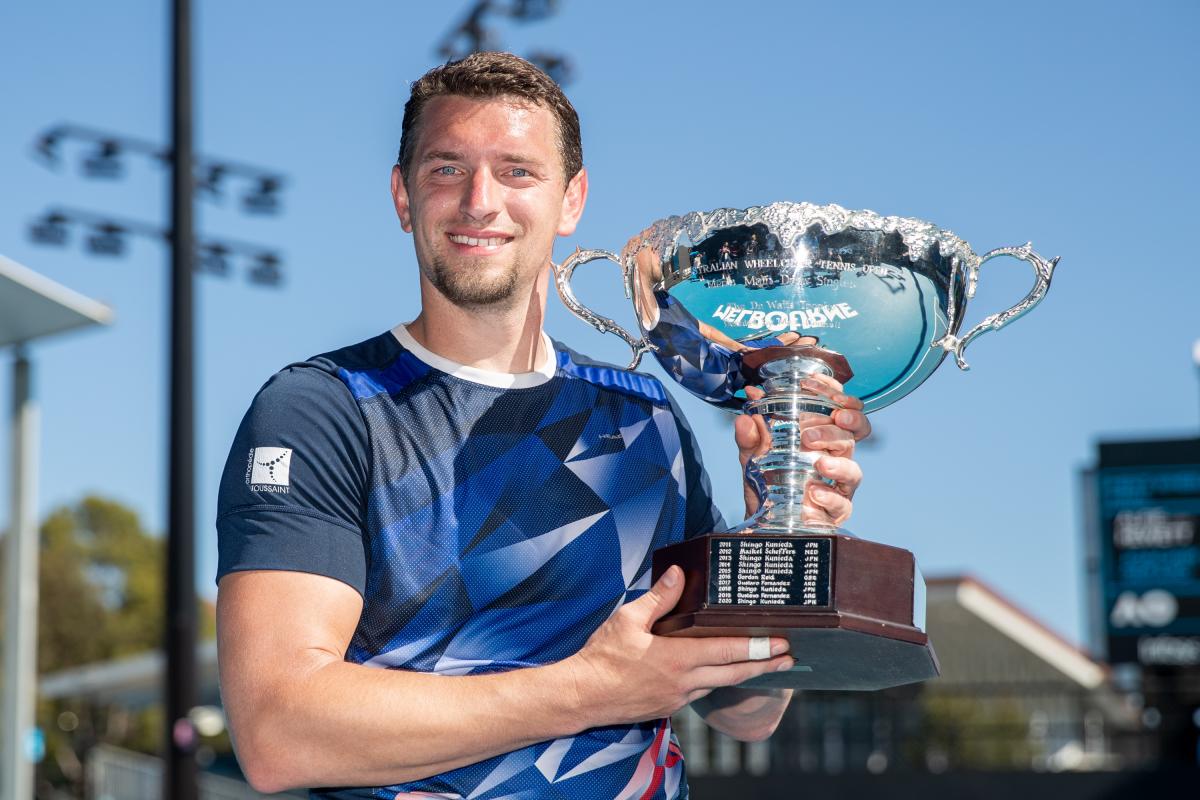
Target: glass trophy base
<point>852,610</point>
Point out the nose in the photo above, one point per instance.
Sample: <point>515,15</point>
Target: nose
<point>481,198</point>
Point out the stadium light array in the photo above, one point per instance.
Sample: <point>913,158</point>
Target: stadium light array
<point>474,35</point>
<point>105,158</point>
<point>109,237</point>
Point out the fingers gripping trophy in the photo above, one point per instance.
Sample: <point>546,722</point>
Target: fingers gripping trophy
<point>772,310</point>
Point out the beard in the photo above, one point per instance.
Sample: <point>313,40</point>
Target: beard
<point>474,288</point>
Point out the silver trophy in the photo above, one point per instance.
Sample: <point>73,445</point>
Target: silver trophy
<point>778,296</point>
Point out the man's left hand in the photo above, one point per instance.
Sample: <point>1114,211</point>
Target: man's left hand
<point>835,436</point>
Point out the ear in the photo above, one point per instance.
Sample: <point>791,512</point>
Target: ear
<point>573,202</point>
<point>400,199</point>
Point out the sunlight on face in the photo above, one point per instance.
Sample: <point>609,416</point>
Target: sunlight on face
<point>485,198</point>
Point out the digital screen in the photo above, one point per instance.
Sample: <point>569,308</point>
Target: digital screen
<point>1149,554</point>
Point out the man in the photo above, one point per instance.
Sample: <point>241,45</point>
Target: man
<point>752,246</point>
<point>472,507</point>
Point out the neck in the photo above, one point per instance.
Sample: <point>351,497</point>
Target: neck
<point>500,339</point>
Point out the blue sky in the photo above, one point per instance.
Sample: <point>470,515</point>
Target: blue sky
<point>1070,124</point>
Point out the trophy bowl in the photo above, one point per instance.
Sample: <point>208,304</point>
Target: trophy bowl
<point>781,296</point>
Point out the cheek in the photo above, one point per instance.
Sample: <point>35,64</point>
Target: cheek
<point>539,216</point>
<point>430,213</point>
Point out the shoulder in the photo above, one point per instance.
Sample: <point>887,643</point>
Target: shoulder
<point>333,375</point>
<point>315,400</point>
<point>610,377</point>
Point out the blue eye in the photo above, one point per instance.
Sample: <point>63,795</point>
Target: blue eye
<point>445,170</point>
<point>520,172</point>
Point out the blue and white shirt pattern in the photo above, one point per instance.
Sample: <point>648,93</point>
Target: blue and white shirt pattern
<point>491,522</point>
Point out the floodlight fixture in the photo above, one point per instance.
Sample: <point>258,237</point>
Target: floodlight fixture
<point>209,182</point>
<point>264,198</point>
<point>105,162</point>
<point>109,236</point>
<point>265,271</point>
<point>532,10</point>
<point>108,239</point>
<point>110,151</point>
<point>50,229</point>
<point>474,35</point>
<point>46,146</point>
<point>213,259</point>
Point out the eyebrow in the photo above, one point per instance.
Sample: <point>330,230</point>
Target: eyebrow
<point>441,155</point>
<point>453,155</point>
<point>518,158</point>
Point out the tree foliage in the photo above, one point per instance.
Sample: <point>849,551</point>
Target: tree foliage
<point>101,596</point>
<point>101,585</point>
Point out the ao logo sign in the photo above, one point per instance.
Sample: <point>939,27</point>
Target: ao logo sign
<point>1153,609</point>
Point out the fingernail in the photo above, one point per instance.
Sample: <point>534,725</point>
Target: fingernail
<point>670,577</point>
<point>786,665</point>
<point>811,436</point>
<point>779,647</point>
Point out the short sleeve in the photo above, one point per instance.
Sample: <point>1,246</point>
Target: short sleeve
<point>292,495</point>
<point>703,516</point>
<point>706,369</point>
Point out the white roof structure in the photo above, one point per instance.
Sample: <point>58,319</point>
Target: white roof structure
<point>33,306</point>
<point>981,637</point>
<point>134,681</point>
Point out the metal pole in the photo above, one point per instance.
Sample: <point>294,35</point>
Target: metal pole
<point>21,588</point>
<point>1196,356</point>
<point>180,774</point>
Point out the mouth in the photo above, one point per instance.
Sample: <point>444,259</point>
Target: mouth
<point>482,243</point>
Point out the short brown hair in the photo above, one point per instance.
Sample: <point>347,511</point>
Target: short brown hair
<point>493,75</point>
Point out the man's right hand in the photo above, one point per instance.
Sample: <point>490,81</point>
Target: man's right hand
<point>626,674</point>
<point>301,715</point>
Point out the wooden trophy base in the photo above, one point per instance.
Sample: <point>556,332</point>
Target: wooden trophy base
<point>853,610</point>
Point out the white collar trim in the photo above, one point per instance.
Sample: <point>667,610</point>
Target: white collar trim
<point>501,380</point>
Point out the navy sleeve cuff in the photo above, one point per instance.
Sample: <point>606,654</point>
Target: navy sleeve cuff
<point>294,540</point>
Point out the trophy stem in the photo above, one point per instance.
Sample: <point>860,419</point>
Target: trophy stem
<point>783,473</point>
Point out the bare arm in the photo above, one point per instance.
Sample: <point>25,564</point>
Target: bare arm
<point>302,716</point>
<point>749,715</point>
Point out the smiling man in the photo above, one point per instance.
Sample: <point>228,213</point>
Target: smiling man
<point>439,585</point>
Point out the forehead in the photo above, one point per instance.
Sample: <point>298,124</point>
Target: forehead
<point>481,125</point>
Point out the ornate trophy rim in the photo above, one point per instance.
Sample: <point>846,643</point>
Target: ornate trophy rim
<point>789,219</point>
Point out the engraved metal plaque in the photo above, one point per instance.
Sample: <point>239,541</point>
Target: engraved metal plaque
<point>761,571</point>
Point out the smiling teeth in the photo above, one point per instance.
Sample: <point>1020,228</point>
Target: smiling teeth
<point>458,239</point>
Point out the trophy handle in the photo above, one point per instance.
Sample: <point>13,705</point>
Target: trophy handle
<point>1043,270</point>
<point>562,280</point>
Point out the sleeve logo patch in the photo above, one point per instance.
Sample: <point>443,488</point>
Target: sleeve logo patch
<point>269,469</point>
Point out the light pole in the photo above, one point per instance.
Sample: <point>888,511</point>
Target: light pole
<point>179,780</point>
<point>107,237</point>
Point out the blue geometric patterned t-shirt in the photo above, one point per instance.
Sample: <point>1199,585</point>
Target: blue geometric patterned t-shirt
<point>491,522</point>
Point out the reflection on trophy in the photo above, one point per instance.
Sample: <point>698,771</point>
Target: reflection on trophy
<point>786,297</point>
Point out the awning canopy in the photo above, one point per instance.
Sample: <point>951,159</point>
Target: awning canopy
<point>33,306</point>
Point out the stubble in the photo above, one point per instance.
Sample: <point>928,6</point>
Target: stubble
<point>472,287</point>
